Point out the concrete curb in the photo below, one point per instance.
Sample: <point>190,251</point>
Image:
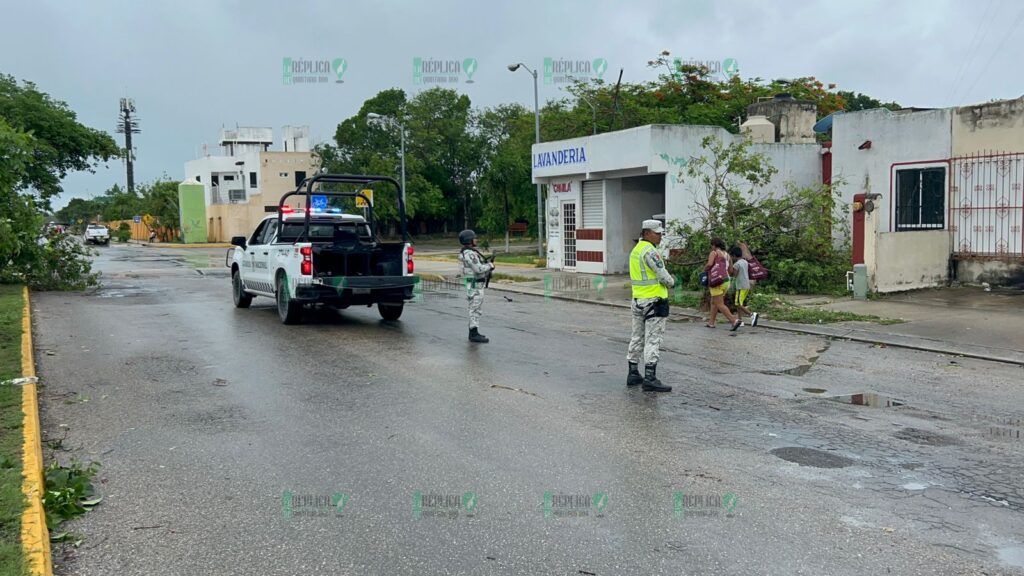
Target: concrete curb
<point>499,264</point>
<point>173,245</point>
<point>35,538</point>
<point>843,333</point>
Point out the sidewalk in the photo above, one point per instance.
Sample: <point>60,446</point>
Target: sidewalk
<point>957,321</point>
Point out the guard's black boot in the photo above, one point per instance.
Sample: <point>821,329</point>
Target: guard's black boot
<point>475,336</point>
<point>634,378</point>
<point>651,382</point>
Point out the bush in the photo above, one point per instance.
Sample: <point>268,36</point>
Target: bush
<point>789,231</point>
<point>124,232</point>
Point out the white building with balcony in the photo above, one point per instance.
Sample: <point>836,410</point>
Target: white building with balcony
<point>247,175</point>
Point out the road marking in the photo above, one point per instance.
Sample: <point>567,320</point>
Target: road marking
<point>35,539</point>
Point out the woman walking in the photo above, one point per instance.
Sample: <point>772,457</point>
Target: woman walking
<point>719,266</point>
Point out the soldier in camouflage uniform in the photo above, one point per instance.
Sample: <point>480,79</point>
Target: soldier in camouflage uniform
<point>650,281</point>
<point>475,269</point>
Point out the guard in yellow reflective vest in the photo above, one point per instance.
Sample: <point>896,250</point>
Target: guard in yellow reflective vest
<point>650,281</point>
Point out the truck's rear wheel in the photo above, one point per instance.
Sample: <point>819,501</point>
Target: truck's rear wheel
<point>289,310</point>
<point>391,311</point>
<point>238,294</point>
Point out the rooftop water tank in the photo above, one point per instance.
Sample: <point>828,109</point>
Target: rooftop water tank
<point>759,129</point>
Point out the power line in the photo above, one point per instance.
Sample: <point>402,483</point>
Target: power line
<point>972,51</point>
<point>1009,33</point>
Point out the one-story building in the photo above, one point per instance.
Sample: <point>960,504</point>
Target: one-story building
<point>600,188</point>
<point>945,187</point>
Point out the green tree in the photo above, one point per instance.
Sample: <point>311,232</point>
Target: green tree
<point>853,102</point>
<point>41,141</point>
<point>790,230</point>
<point>60,144</point>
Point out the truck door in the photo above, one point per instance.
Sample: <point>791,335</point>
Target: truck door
<point>261,271</point>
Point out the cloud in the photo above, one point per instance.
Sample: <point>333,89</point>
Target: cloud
<point>193,66</point>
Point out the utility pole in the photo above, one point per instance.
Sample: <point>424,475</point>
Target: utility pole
<point>127,124</point>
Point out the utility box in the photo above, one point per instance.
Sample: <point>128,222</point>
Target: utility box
<point>860,282</point>
<point>192,211</point>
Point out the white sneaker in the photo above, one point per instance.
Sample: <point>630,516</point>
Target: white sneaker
<point>753,319</point>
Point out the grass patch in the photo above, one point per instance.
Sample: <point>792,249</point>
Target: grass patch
<point>502,257</point>
<point>775,308</point>
<point>685,299</point>
<point>512,277</point>
<point>12,502</point>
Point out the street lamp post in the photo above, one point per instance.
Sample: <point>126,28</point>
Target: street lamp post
<point>377,118</point>
<point>541,231</point>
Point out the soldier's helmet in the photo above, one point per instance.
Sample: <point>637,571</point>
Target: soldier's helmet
<point>466,237</point>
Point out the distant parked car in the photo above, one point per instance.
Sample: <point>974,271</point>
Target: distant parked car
<point>96,234</point>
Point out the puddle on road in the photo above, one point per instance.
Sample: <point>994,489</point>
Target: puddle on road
<point>815,390</point>
<point>869,400</point>
<point>798,371</point>
<point>1012,556</point>
<point>925,437</point>
<point>811,457</point>
<point>121,292</point>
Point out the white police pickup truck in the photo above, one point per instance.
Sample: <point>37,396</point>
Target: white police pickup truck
<point>319,255</point>
<point>96,234</point>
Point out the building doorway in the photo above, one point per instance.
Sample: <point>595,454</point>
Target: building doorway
<point>569,235</point>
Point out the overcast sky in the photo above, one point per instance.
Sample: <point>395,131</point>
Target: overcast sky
<point>193,66</point>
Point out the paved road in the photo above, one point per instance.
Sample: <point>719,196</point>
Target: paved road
<point>232,444</point>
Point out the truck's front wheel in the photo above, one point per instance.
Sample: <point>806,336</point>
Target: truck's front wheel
<point>391,311</point>
<point>289,310</point>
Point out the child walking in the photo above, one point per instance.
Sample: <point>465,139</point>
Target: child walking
<point>741,274</point>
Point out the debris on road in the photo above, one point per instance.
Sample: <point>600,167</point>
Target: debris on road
<point>513,389</point>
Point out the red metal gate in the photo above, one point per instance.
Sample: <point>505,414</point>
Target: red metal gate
<point>986,206</point>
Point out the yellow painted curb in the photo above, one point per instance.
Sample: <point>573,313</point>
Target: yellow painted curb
<point>35,539</point>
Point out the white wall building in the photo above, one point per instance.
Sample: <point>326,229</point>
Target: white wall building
<point>947,191</point>
<point>600,188</point>
<point>247,175</point>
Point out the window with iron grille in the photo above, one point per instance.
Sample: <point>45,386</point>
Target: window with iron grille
<point>920,199</point>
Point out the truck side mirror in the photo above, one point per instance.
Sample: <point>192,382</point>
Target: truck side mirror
<point>238,241</point>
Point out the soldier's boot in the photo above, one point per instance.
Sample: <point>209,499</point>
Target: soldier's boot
<point>634,378</point>
<point>476,336</point>
<point>651,382</point>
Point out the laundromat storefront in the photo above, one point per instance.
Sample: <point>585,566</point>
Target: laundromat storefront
<point>601,188</point>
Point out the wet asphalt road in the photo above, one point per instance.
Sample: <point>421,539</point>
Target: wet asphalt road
<point>206,419</point>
